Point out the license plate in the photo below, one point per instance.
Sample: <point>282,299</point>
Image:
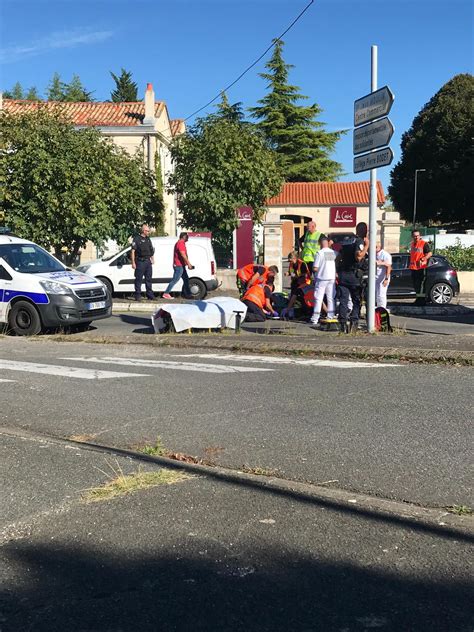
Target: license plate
<point>97,305</point>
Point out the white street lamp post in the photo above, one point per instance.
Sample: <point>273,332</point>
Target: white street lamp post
<point>417,171</point>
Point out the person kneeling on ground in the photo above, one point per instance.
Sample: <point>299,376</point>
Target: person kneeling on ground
<point>258,301</point>
<point>251,274</point>
<point>325,279</point>
<point>299,272</point>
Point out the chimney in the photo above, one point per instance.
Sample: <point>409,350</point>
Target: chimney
<point>149,105</point>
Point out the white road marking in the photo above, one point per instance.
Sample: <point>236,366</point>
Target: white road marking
<point>338,364</point>
<point>3,380</point>
<point>168,364</point>
<point>63,371</point>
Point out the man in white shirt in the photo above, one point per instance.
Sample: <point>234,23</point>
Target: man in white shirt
<point>325,279</point>
<point>382,278</point>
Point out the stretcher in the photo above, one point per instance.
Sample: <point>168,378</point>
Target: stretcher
<point>215,313</point>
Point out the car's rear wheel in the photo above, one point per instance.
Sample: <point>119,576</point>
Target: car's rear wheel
<point>24,319</point>
<point>441,293</point>
<point>198,289</point>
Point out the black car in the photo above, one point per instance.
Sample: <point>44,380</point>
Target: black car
<point>441,279</point>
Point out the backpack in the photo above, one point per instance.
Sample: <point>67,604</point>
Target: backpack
<point>382,320</point>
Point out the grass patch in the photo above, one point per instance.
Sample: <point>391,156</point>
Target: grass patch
<point>121,484</point>
<point>158,449</point>
<point>460,510</point>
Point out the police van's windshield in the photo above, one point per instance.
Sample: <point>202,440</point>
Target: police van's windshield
<point>29,258</point>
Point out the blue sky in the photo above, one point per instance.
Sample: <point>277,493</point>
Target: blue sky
<point>190,49</point>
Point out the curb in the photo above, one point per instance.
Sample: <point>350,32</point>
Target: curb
<point>395,310</point>
<point>331,498</point>
<point>298,349</point>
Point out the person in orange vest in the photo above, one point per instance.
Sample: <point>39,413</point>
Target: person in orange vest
<point>298,270</point>
<point>420,254</point>
<point>250,274</point>
<point>258,301</point>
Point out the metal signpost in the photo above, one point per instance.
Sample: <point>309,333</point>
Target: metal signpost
<point>370,109</point>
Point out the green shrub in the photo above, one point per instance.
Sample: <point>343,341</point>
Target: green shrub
<point>461,257</point>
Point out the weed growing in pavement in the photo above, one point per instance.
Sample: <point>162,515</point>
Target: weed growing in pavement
<point>121,484</point>
<point>460,510</point>
<point>154,450</point>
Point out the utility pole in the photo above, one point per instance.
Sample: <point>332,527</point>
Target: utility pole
<point>417,171</point>
<point>372,210</point>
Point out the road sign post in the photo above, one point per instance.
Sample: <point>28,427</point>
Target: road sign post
<point>373,130</point>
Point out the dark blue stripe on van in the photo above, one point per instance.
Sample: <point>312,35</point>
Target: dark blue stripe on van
<point>36,297</point>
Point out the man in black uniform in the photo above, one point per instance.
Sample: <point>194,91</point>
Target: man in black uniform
<point>349,267</point>
<point>142,261</point>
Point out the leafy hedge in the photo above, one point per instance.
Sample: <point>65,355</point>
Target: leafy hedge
<point>462,258</point>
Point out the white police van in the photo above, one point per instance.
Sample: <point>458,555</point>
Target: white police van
<point>38,292</point>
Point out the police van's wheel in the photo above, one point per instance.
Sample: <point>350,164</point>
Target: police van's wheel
<point>24,319</point>
<point>107,284</point>
<point>198,289</point>
<point>441,293</point>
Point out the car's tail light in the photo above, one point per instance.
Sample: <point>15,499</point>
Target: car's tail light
<point>453,272</point>
<point>213,267</point>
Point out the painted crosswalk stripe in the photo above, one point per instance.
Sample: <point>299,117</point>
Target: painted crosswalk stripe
<point>172,365</point>
<point>3,380</point>
<point>63,371</point>
<point>338,364</point>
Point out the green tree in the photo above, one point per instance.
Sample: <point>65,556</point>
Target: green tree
<point>440,141</point>
<point>56,88</point>
<point>75,91</point>
<point>302,145</point>
<point>230,112</point>
<point>63,187</point>
<point>32,94</point>
<point>125,88</point>
<point>221,165</point>
<point>15,93</point>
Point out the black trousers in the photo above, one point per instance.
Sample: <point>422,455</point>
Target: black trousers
<point>254,313</point>
<point>418,278</point>
<point>143,269</point>
<point>349,286</point>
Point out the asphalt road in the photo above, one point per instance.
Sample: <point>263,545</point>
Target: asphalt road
<point>401,432</point>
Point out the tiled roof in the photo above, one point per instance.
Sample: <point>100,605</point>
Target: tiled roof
<point>89,114</point>
<point>325,194</point>
<point>178,126</point>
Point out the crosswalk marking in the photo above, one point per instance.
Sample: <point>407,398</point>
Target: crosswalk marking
<point>4,380</point>
<point>339,364</point>
<point>168,364</point>
<point>63,371</point>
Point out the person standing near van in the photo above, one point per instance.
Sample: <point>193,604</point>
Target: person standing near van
<point>180,261</point>
<point>142,262</point>
<point>382,277</point>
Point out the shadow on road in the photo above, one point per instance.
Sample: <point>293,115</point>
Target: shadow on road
<point>257,589</point>
<point>138,320</point>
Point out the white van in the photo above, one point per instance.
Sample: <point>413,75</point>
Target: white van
<point>117,274</point>
<point>37,291</point>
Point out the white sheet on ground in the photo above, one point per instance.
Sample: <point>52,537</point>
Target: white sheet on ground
<point>211,314</point>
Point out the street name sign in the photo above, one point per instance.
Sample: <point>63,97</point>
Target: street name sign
<point>372,136</point>
<point>373,106</point>
<point>375,159</point>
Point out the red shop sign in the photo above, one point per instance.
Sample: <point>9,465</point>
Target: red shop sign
<point>342,216</point>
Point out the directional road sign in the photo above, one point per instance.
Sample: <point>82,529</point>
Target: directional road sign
<point>373,135</point>
<point>373,106</point>
<point>375,159</point>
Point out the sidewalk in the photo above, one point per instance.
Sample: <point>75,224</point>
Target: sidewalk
<point>219,550</point>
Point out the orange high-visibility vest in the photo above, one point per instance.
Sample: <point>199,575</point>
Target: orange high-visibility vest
<point>256,294</point>
<point>416,254</point>
<point>246,273</point>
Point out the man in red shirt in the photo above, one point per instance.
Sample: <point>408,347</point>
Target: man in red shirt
<point>180,261</point>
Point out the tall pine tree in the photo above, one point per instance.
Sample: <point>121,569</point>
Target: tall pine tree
<point>32,94</point>
<point>302,145</point>
<point>125,88</point>
<point>75,91</point>
<point>55,91</point>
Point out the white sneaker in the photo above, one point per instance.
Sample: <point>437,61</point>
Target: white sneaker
<point>168,297</point>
